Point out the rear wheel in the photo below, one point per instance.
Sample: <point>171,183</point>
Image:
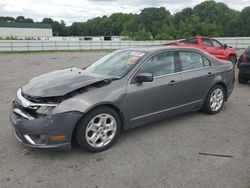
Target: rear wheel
<point>233,59</point>
<point>241,79</point>
<point>215,100</point>
<point>98,130</point>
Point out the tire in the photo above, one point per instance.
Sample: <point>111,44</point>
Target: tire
<point>241,79</point>
<point>233,59</point>
<point>212,104</point>
<point>92,132</point>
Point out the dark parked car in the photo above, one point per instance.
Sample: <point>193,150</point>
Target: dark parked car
<point>122,90</point>
<point>244,67</point>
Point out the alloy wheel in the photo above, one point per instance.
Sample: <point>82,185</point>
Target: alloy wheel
<point>101,130</point>
<point>216,99</point>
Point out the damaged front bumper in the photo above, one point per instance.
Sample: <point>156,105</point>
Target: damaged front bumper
<point>53,131</point>
<point>49,131</point>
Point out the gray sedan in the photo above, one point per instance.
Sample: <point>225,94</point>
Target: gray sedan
<point>125,89</point>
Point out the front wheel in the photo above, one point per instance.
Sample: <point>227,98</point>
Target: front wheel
<point>98,130</point>
<point>215,100</point>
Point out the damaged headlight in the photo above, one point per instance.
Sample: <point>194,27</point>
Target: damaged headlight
<point>45,110</point>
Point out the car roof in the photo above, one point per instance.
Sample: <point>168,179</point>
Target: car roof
<point>150,49</point>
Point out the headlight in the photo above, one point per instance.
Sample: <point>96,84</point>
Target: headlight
<point>45,110</point>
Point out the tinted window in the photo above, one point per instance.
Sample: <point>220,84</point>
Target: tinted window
<point>192,60</point>
<point>191,41</point>
<point>217,43</point>
<point>160,64</point>
<point>206,42</point>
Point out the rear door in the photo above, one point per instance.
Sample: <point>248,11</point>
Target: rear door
<point>196,75</point>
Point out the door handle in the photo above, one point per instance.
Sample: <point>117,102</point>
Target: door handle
<point>172,83</point>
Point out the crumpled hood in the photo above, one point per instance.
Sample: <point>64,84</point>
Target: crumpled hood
<point>60,82</point>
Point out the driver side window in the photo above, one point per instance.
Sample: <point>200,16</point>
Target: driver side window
<point>159,65</point>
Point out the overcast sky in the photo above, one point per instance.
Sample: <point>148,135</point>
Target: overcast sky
<point>81,10</point>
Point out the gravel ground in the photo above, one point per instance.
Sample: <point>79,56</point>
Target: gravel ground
<point>162,154</point>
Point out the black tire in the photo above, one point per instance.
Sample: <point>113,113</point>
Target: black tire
<point>207,105</point>
<point>83,123</point>
<point>241,79</point>
<point>233,59</point>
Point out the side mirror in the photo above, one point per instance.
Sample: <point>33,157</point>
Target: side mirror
<point>225,46</point>
<point>145,77</point>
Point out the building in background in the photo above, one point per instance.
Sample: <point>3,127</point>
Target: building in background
<point>25,30</point>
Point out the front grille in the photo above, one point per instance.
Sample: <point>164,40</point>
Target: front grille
<point>29,111</point>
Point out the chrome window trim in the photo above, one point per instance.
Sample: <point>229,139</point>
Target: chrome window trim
<point>28,104</point>
<point>171,74</point>
<point>196,69</point>
<point>166,75</point>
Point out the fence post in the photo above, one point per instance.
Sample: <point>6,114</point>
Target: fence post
<point>42,45</point>
<point>68,44</point>
<point>11,46</point>
<point>28,45</point>
<point>55,45</point>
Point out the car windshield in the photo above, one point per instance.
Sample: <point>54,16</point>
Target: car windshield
<point>116,64</point>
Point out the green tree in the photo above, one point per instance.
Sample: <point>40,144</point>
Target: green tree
<point>142,34</point>
<point>244,22</point>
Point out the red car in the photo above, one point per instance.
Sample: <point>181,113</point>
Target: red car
<point>210,45</point>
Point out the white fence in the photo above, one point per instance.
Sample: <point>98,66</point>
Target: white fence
<point>42,45</point>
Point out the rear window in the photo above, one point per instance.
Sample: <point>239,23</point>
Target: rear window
<point>192,60</point>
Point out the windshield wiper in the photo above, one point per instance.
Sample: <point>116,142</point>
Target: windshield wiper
<point>115,78</point>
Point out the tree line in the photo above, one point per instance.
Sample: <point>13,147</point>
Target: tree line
<point>208,18</point>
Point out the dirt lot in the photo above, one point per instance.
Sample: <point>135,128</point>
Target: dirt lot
<point>163,154</point>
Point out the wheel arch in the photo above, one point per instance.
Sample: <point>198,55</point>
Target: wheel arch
<point>224,86</point>
<point>112,106</point>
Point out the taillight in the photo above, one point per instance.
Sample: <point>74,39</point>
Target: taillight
<point>244,57</point>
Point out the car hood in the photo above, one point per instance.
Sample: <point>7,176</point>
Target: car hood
<point>60,82</point>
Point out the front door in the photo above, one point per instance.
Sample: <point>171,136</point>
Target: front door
<point>219,49</point>
<point>153,100</point>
